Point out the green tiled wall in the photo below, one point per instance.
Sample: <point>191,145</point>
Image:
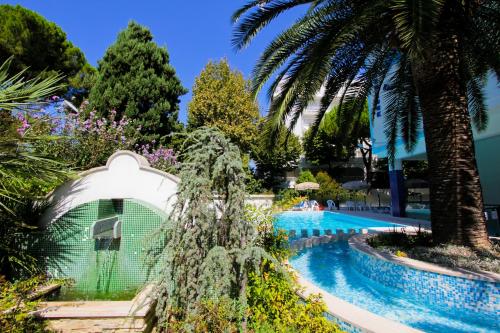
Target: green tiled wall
<point>69,250</point>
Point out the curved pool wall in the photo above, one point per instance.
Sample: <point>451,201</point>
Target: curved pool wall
<point>330,267</point>
<point>100,267</point>
<point>472,293</point>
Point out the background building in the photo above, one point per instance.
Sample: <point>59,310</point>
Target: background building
<point>487,145</point>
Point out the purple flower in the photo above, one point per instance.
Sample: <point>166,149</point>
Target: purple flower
<point>21,130</point>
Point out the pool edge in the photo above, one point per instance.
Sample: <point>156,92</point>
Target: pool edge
<point>362,320</point>
<point>358,242</point>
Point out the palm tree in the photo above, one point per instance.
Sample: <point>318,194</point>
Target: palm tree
<point>435,54</point>
<point>19,162</point>
<point>24,172</point>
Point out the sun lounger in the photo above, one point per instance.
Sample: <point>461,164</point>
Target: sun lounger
<point>331,205</point>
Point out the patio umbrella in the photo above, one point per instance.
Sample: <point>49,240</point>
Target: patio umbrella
<point>416,183</point>
<point>356,185</point>
<point>307,186</point>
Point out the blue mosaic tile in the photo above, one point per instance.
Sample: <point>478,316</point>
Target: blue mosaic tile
<point>450,291</point>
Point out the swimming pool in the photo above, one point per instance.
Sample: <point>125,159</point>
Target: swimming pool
<point>326,220</point>
<point>330,267</point>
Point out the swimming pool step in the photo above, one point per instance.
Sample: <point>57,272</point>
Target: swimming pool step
<point>304,233</point>
<point>306,240</point>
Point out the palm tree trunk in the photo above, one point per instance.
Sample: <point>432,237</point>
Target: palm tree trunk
<point>455,190</point>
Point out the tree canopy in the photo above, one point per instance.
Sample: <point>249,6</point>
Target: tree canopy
<point>272,162</point>
<point>136,79</point>
<point>222,99</point>
<point>36,45</point>
<point>337,137</point>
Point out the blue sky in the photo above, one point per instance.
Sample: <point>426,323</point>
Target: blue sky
<point>194,32</point>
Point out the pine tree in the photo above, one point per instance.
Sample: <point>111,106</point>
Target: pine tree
<point>210,246</point>
<point>136,79</point>
<point>40,48</point>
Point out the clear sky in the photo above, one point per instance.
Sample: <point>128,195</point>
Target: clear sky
<point>194,32</point>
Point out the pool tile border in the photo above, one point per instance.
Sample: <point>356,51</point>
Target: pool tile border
<point>358,243</point>
<point>457,289</point>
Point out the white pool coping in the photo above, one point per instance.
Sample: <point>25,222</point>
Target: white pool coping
<point>360,318</point>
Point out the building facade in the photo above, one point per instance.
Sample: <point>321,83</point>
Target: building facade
<point>487,145</point>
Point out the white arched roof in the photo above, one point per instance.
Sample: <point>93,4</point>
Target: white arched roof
<point>126,175</point>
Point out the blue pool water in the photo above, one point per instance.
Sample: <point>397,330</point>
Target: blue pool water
<point>325,220</point>
<point>329,266</point>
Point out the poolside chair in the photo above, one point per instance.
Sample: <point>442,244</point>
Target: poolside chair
<point>303,205</point>
<point>331,205</point>
<point>350,205</point>
<point>313,205</point>
<point>361,205</point>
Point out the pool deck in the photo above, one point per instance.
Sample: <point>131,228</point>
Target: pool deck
<point>387,218</point>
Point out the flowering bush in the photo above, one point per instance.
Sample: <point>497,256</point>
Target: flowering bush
<point>21,130</point>
<point>160,158</point>
<point>87,142</point>
<point>84,140</point>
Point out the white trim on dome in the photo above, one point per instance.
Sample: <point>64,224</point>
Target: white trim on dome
<point>126,175</point>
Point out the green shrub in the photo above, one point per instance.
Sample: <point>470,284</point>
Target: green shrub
<point>272,298</point>
<point>288,198</point>
<point>329,189</point>
<point>306,176</point>
<point>218,315</point>
<point>275,306</point>
<point>16,305</point>
<point>357,195</point>
<point>401,239</point>
<point>274,242</point>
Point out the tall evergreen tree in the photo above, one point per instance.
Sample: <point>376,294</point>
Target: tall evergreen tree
<point>222,99</point>
<point>136,79</point>
<point>210,244</point>
<point>38,46</point>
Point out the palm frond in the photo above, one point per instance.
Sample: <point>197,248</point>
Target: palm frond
<point>414,22</point>
<point>17,93</point>
<point>22,167</point>
<point>375,68</point>
<point>475,101</point>
<point>402,113</point>
<point>263,13</point>
<point>300,35</point>
<point>481,40</point>
<point>314,63</point>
